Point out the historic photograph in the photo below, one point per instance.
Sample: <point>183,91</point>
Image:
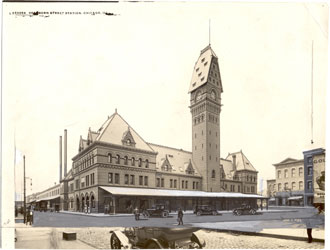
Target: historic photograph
<point>164,125</point>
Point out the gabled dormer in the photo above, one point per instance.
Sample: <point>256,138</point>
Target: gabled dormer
<point>128,139</point>
<point>190,169</point>
<point>81,144</point>
<point>166,166</point>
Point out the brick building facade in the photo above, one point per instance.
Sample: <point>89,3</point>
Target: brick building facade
<point>115,160</point>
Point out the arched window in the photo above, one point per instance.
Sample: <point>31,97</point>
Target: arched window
<point>213,173</point>
<point>300,172</point>
<point>140,162</point>
<point>293,172</point>
<point>125,160</point>
<point>293,186</point>
<point>133,161</point>
<point>279,176</point>
<point>301,185</point>
<point>147,163</point>
<point>279,187</point>
<point>286,175</point>
<point>118,159</point>
<point>128,142</point>
<point>109,158</point>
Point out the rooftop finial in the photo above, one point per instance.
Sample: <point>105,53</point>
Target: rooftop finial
<point>116,110</point>
<point>209,31</point>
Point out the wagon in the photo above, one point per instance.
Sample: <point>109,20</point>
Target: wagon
<point>155,238</point>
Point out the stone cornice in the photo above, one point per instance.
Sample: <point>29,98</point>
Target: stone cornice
<point>115,146</point>
<point>177,174</point>
<point>121,167</point>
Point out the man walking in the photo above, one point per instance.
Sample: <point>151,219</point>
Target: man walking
<point>136,213</point>
<point>180,216</point>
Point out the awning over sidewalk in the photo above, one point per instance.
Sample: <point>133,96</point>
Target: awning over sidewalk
<point>175,193</point>
<point>49,198</point>
<point>295,198</point>
<point>272,199</point>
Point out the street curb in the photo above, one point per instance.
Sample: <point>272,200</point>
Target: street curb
<point>277,236</point>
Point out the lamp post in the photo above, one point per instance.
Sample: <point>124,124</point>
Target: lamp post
<point>24,191</point>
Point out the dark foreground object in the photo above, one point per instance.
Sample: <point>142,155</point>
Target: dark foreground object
<point>155,238</point>
<point>69,236</point>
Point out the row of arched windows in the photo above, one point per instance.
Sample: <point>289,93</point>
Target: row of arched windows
<point>293,173</point>
<point>85,162</point>
<point>118,160</point>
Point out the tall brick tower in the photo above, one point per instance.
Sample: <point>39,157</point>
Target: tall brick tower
<point>205,106</point>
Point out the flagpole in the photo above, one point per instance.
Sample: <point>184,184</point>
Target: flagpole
<point>24,191</point>
<point>312,140</point>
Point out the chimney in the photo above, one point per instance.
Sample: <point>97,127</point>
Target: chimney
<point>65,152</point>
<point>60,158</point>
<point>234,162</point>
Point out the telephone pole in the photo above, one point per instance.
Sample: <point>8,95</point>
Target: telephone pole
<point>24,191</point>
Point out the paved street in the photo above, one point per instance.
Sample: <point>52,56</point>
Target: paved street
<point>100,238</point>
<point>93,230</point>
<point>293,218</point>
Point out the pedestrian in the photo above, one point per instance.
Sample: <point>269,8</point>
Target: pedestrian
<point>180,216</point>
<point>136,213</point>
<point>309,222</point>
<point>27,216</point>
<point>31,217</point>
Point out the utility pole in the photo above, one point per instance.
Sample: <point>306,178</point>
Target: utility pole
<point>24,191</point>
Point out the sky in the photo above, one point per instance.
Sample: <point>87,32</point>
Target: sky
<point>72,72</point>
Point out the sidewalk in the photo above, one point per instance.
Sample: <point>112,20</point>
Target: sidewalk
<point>45,238</point>
<point>274,229</point>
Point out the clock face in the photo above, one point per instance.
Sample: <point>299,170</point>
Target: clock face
<point>198,95</point>
<point>213,95</point>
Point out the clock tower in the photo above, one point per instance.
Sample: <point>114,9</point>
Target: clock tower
<point>205,106</point>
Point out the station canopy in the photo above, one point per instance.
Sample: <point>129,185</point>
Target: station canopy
<point>49,198</point>
<point>175,193</point>
<point>295,198</point>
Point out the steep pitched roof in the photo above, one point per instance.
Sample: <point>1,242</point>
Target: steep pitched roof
<point>114,128</point>
<point>201,73</point>
<point>242,163</point>
<point>227,167</point>
<point>180,160</point>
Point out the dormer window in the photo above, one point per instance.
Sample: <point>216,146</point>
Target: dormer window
<point>109,158</point>
<point>147,163</point>
<point>140,162</point>
<point>166,167</point>
<point>125,160</point>
<point>128,139</point>
<point>133,161</point>
<point>118,159</point>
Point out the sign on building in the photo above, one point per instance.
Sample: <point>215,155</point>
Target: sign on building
<point>319,178</point>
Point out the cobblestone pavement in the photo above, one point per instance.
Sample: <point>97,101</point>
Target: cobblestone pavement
<point>100,238</point>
